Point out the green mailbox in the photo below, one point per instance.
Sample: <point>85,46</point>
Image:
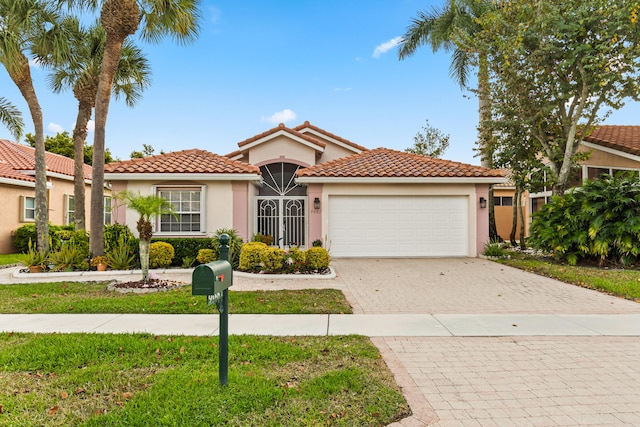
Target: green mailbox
<point>211,278</point>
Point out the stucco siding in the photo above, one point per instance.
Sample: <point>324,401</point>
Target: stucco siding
<point>282,147</point>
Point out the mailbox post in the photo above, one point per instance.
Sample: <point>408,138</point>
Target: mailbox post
<point>213,280</point>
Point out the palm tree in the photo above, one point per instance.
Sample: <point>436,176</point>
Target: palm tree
<point>82,75</point>
<point>11,117</point>
<point>33,27</point>
<point>447,28</point>
<point>121,19</point>
<point>148,207</point>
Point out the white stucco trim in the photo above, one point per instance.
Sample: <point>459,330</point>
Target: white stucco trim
<point>399,180</point>
<point>611,151</point>
<point>181,177</point>
<point>282,133</point>
<point>20,182</point>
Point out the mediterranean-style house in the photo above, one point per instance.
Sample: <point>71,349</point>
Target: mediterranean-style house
<point>612,149</point>
<point>303,184</point>
<point>17,190</point>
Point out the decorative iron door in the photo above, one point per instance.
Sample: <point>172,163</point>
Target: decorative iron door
<point>283,218</point>
<point>281,206</point>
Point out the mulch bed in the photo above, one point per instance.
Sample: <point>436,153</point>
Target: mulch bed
<point>141,287</point>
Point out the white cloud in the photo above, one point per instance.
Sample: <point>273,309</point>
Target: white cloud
<point>386,47</point>
<point>55,128</point>
<point>283,116</point>
<point>91,126</point>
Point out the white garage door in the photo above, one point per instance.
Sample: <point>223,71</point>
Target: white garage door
<point>398,226</point>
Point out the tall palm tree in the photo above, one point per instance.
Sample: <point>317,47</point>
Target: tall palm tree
<point>121,19</point>
<point>81,74</point>
<point>33,27</point>
<point>148,207</point>
<point>11,117</point>
<point>446,28</point>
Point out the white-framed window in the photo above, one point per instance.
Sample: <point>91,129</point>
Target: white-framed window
<point>188,205</point>
<point>593,172</point>
<point>27,209</point>
<point>69,209</point>
<point>107,210</point>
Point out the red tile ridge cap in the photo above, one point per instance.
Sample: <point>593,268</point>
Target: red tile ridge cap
<point>306,124</point>
<point>278,128</point>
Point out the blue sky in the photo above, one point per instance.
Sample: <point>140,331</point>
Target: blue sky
<point>259,63</point>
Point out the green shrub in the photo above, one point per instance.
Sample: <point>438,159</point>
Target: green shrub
<point>600,221</point>
<point>494,249</point>
<point>160,254</point>
<point>27,232</point>
<point>123,254</point>
<point>250,256</point>
<point>317,243</point>
<point>67,258</point>
<point>206,255</point>
<point>267,239</point>
<point>34,257</point>
<point>294,261</point>
<point>235,245</point>
<point>116,233</point>
<point>185,247</point>
<point>317,259</point>
<point>272,259</point>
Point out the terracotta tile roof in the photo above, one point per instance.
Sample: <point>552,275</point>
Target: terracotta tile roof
<point>17,157</point>
<point>330,135</point>
<point>622,138</point>
<point>187,161</point>
<point>386,163</point>
<point>282,127</point>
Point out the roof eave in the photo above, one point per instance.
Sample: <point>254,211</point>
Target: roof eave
<point>613,151</point>
<point>182,176</point>
<point>401,180</point>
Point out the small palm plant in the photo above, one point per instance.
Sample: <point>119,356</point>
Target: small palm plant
<point>148,207</point>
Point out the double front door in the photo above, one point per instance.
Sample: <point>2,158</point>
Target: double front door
<point>281,206</point>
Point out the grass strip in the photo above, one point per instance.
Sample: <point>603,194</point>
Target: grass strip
<point>141,379</point>
<point>624,283</point>
<point>92,297</point>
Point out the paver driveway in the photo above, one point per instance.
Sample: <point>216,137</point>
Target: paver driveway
<point>495,381</point>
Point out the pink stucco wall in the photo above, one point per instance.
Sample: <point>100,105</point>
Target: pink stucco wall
<point>482,218</point>
<point>315,215</point>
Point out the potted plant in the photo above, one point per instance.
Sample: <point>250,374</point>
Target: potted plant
<point>100,262</point>
<point>36,260</point>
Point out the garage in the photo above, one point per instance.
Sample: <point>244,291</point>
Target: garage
<point>398,226</point>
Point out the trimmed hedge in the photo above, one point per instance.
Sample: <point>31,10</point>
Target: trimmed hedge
<point>160,254</point>
<point>185,247</point>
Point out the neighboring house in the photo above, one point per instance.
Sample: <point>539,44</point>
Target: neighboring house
<point>303,184</point>
<point>17,190</point>
<point>612,149</point>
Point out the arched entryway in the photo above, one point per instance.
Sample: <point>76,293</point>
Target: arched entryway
<point>281,205</point>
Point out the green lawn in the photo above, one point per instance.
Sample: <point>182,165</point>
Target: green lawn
<point>142,380</point>
<point>624,283</point>
<point>91,297</point>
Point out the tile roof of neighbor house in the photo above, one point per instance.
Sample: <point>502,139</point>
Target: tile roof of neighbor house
<point>622,138</point>
<point>185,161</point>
<point>387,163</point>
<point>16,158</point>
<point>329,134</point>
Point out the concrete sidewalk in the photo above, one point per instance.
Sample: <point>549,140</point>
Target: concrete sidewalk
<point>372,325</point>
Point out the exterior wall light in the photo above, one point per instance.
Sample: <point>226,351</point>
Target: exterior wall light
<point>316,203</point>
<point>483,203</point>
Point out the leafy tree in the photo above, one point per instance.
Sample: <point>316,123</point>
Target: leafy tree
<point>11,117</point>
<point>147,150</point>
<point>121,19</point>
<point>558,67</point>
<point>81,74</point>
<point>430,143</point>
<point>148,207</point>
<point>62,144</point>
<point>33,27</point>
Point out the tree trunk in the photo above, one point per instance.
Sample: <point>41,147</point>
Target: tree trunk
<point>144,258</point>
<point>22,78</point>
<point>514,223</point>
<point>523,244</point>
<point>120,18</point>
<point>79,136</point>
